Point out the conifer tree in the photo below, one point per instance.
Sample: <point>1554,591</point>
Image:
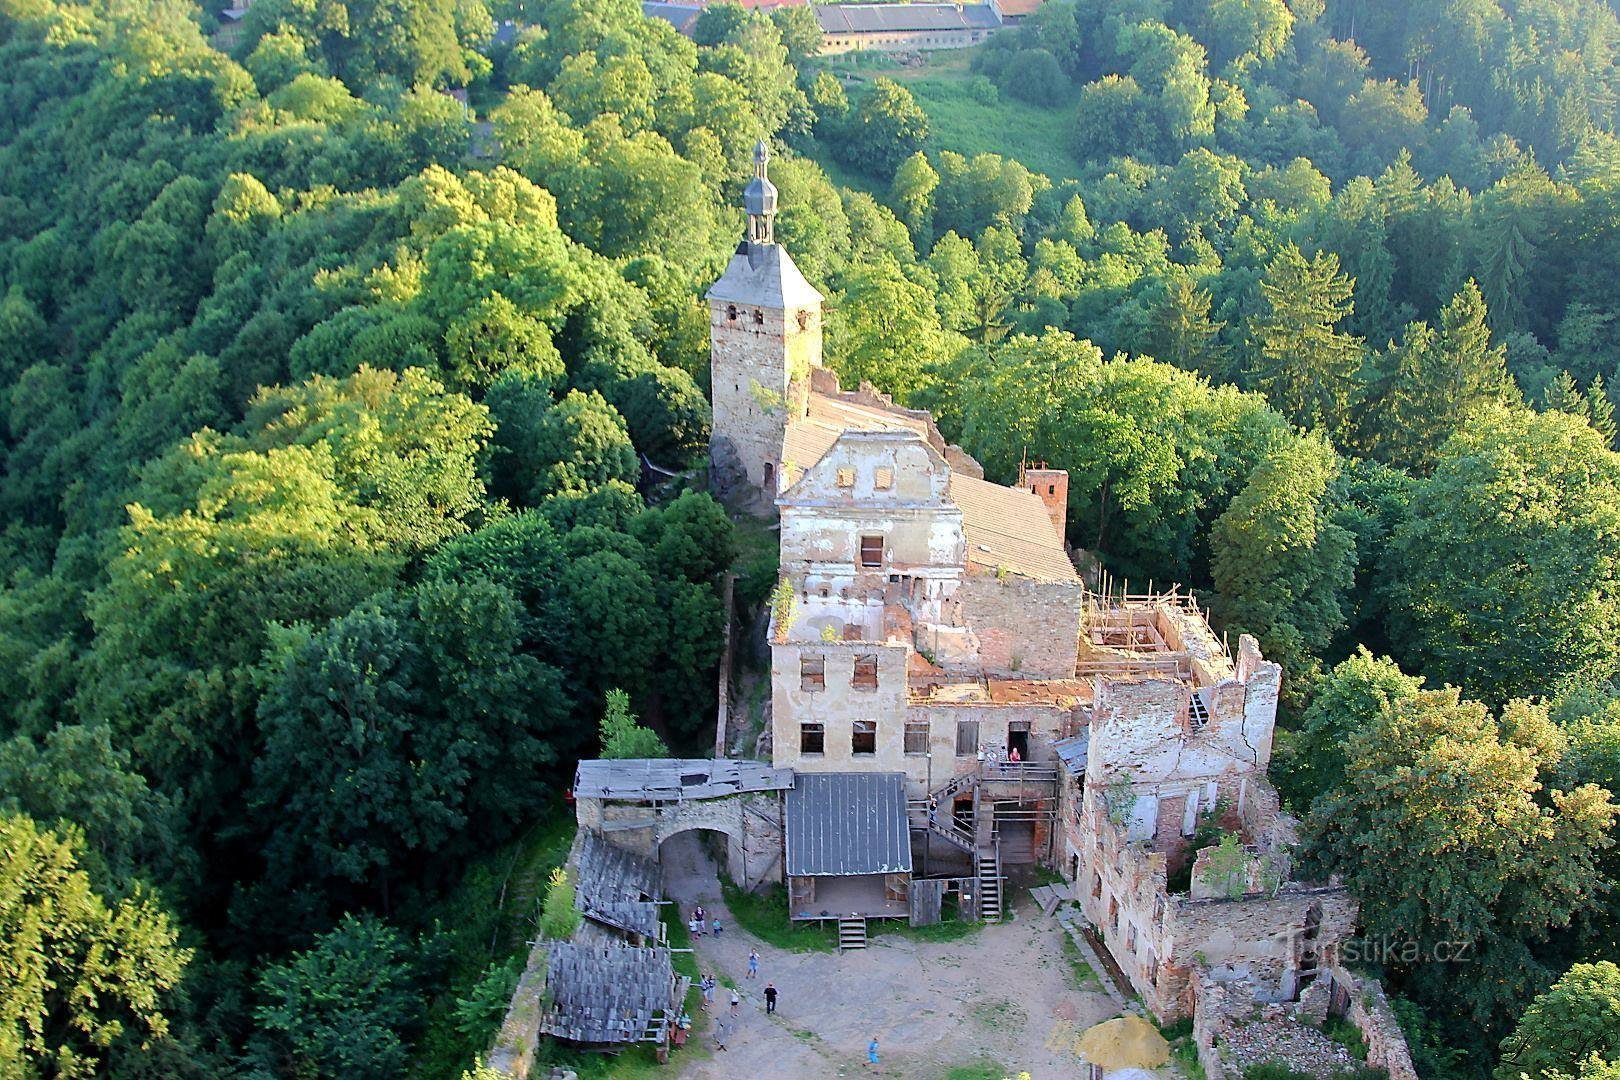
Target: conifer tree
<point>1304,364</point>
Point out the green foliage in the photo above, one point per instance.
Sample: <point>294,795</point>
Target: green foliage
<point>622,737</point>
<point>1503,579</point>
<point>1282,565</point>
<point>1576,1018</point>
<point>1272,1071</point>
<point>84,975</point>
<point>784,607</point>
<point>347,1005</point>
<point>558,916</point>
<point>1489,863</point>
<point>1303,363</point>
<point>1350,697</point>
<point>1226,868</point>
<point>883,127</point>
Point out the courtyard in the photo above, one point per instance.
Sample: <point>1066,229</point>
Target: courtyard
<point>1002,1000</point>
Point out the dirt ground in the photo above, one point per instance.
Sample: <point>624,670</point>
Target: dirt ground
<point>1004,995</point>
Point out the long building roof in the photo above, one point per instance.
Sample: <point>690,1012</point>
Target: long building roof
<point>900,18</point>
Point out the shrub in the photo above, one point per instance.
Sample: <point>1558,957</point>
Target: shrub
<point>558,917</point>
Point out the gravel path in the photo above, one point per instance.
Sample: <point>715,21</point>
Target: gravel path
<point>1005,995</point>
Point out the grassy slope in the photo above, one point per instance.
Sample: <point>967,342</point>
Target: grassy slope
<point>1036,136</point>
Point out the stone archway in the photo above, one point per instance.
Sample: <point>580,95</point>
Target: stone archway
<point>689,860</point>
<point>751,823</point>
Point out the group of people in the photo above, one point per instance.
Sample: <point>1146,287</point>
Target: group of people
<point>722,1026</point>
<point>725,1024</point>
<point>698,926</point>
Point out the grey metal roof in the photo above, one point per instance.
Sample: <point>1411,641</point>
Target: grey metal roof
<point>665,779</point>
<point>764,274</point>
<point>616,887</point>
<point>899,18</point>
<point>680,16</point>
<point>840,824</point>
<point>1072,751</point>
<point>607,993</point>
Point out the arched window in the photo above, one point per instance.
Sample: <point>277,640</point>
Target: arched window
<point>759,318</point>
<point>731,312</point>
<point>770,476</point>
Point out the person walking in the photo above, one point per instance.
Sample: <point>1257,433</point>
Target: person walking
<point>707,986</point>
<point>770,998</point>
<point>871,1051</point>
<point>722,1033</point>
<point>714,925</point>
<point>753,963</point>
<point>736,1002</point>
<point>692,927</point>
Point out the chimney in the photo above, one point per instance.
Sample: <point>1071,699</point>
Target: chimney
<point>1051,486</point>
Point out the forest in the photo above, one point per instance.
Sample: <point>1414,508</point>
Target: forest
<point>352,438</point>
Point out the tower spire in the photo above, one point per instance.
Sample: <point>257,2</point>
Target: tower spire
<point>759,199</point>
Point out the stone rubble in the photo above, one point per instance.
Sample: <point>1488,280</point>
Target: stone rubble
<point>1285,1042</point>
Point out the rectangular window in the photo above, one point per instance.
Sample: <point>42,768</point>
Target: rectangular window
<point>967,738</point>
<point>883,479</point>
<point>846,478</point>
<point>871,551</point>
<point>1130,938</point>
<point>1096,884</point>
<point>863,737</point>
<point>812,673</point>
<point>865,671</point>
<point>812,739</point>
<point>916,736</point>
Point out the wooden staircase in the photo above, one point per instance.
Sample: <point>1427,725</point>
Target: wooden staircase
<point>989,866</point>
<point>851,934</point>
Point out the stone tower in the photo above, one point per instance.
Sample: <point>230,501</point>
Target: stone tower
<point>764,337</point>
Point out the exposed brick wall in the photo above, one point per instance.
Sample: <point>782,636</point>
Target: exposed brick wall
<point>1026,629</point>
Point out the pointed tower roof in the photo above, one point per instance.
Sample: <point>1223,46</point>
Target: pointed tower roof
<point>762,272</point>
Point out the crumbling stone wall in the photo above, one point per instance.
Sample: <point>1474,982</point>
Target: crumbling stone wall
<point>1026,629</point>
<point>1368,1009</point>
<point>1258,937</point>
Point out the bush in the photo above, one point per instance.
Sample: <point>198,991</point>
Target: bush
<point>982,90</point>
<point>1035,76</point>
<point>558,917</point>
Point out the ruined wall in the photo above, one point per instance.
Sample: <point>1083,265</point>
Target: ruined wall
<point>1142,728</point>
<point>1161,940</point>
<point>1121,891</point>
<point>885,483</point>
<point>1368,1009</point>
<point>1025,629</point>
<point>837,706</point>
<point>754,390</point>
<point>1261,938</point>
